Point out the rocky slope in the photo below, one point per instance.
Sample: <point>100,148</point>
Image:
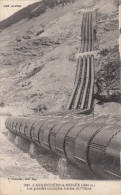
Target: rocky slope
<point>37,57</point>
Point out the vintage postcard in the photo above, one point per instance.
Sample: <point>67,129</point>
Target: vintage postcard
<point>60,97</point>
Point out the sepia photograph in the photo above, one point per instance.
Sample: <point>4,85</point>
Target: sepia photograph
<point>60,91</point>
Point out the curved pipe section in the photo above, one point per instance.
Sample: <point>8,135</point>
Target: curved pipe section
<point>93,145</point>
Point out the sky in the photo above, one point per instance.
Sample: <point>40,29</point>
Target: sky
<point>8,7</point>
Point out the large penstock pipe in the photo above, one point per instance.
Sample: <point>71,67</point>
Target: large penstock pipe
<point>82,94</point>
<point>93,145</point>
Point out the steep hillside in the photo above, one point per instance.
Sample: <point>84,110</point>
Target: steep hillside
<point>38,62</point>
<point>22,14</point>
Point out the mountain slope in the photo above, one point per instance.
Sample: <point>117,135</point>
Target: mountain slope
<point>38,56</point>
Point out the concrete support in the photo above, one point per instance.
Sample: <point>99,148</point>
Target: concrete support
<point>11,136</point>
<point>22,143</point>
<point>68,171</point>
<point>33,150</point>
